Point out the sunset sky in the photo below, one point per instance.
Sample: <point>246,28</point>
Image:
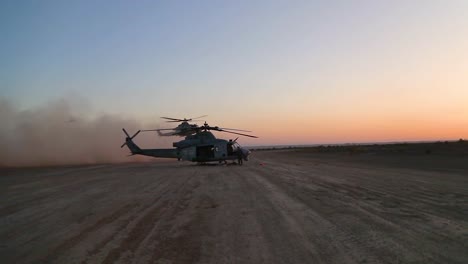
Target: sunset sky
<point>294,72</point>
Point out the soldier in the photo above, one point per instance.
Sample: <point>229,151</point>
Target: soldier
<point>239,156</point>
<point>230,149</point>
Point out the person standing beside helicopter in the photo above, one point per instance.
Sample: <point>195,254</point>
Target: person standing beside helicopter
<point>239,156</point>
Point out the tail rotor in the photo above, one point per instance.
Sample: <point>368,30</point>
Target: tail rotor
<point>129,138</point>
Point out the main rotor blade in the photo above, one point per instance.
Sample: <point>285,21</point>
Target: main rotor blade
<point>181,120</point>
<point>163,129</point>
<point>245,135</point>
<point>197,117</point>
<point>174,119</point>
<point>235,129</point>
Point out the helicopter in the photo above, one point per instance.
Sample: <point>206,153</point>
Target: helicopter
<point>201,146</point>
<point>184,128</point>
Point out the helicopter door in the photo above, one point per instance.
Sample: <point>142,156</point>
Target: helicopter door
<point>230,148</point>
<point>205,152</point>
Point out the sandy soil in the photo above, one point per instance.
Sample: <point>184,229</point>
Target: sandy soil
<point>281,207</point>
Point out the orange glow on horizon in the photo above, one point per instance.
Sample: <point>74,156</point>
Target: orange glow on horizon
<point>294,131</point>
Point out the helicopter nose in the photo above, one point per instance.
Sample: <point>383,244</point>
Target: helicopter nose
<point>245,153</point>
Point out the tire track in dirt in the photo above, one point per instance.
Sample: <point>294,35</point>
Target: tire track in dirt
<point>145,225</point>
<point>388,197</point>
<point>128,221</point>
<point>231,223</point>
<point>312,227</point>
<point>283,232</point>
<point>41,195</point>
<point>423,202</point>
<point>327,203</point>
<point>353,198</point>
<point>185,246</point>
<point>71,242</point>
<point>30,219</point>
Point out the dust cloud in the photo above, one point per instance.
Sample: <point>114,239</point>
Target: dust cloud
<point>62,132</point>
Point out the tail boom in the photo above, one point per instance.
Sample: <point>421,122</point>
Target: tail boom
<point>157,153</point>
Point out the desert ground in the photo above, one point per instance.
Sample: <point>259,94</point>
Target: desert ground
<point>282,206</point>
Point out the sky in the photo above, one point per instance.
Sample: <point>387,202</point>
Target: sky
<point>294,72</point>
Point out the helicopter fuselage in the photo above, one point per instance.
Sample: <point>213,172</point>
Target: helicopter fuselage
<point>204,147</point>
<point>200,147</point>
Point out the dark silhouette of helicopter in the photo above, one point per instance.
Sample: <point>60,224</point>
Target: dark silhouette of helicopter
<point>199,145</point>
<point>184,128</point>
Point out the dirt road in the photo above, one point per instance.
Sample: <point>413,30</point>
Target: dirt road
<point>277,208</point>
